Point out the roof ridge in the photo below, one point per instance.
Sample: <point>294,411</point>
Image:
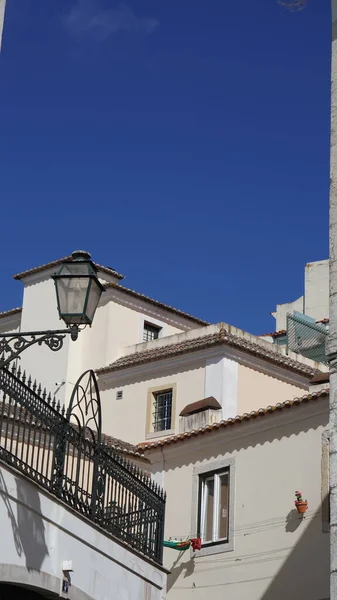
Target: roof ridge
<point>272,353</point>
<point>260,412</point>
<point>118,286</point>
<point>57,262</point>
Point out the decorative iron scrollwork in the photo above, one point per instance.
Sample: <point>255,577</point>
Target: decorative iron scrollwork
<point>12,345</point>
<point>85,405</point>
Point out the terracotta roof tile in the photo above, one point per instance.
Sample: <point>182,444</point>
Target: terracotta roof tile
<point>55,263</point>
<point>261,412</point>
<point>140,296</point>
<point>274,333</point>
<point>273,354</point>
<point>9,313</point>
<point>320,378</point>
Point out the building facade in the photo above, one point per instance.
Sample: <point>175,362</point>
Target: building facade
<point>315,301</point>
<point>152,360</point>
<point>233,485</point>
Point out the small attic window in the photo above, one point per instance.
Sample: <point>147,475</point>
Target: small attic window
<point>119,395</point>
<point>150,332</point>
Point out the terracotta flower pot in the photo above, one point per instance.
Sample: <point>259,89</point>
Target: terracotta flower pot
<point>301,506</point>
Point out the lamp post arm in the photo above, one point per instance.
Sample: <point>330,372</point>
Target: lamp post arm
<point>13,344</point>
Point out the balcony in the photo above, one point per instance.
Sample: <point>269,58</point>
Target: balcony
<point>63,452</point>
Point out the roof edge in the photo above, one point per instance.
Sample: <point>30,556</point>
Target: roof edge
<point>141,296</point>
<point>10,312</point>
<point>268,352</point>
<point>55,263</point>
<point>261,412</point>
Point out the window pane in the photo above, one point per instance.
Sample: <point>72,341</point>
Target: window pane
<point>223,516</point>
<point>162,411</point>
<point>209,496</point>
<point>151,332</point>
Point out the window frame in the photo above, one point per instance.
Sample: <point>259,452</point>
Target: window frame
<point>152,326</point>
<point>200,474</point>
<point>204,497</point>
<point>155,409</point>
<point>151,393</point>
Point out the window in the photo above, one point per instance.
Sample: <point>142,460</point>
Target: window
<point>213,506</point>
<point>119,395</point>
<point>213,514</point>
<point>161,410</point>
<point>150,332</point>
<point>162,413</point>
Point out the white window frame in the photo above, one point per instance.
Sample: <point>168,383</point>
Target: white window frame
<point>200,475</point>
<point>203,504</point>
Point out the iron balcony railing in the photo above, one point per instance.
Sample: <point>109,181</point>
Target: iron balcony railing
<point>59,451</point>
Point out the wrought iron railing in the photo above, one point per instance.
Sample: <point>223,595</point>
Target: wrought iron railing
<point>59,451</point>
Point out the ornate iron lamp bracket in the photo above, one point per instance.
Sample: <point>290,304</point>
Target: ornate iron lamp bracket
<point>13,344</point>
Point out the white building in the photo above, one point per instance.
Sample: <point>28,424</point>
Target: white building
<point>233,485</point>
<point>154,360</point>
<point>315,300</point>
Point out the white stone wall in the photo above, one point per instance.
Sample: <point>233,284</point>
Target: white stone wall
<point>39,533</point>
<point>118,324</point>
<point>276,554</point>
<point>316,289</point>
<point>315,302</point>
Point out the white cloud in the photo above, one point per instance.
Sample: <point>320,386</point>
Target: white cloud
<point>90,18</point>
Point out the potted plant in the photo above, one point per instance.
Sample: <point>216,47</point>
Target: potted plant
<point>301,505</point>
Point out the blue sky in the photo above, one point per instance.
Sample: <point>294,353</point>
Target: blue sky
<point>185,143</point>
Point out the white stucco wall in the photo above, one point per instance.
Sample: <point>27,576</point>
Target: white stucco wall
<point>316,289</point>
<point>258,390</point>
<point>41,533</point>
<point>315,302</point>
<point>240,382</point>
<point>118,323</point>
<point>276,553</point>
<point>39,313</point>
<point>221,381</point>
<point>126,418</point>
<point>282,311</point>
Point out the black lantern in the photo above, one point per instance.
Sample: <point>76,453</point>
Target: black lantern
<point>78,289</point>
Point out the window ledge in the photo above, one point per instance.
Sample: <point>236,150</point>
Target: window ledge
<point>213,549</point>
<point>160,434</point>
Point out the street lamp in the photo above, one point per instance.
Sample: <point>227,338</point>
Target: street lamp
<point>78,291</point>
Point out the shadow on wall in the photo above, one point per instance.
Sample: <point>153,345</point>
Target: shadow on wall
<point>30,524</point>
<point>177,569</point>
<point>5,497</point>
<point>28,527</point>
<point>305,573</point>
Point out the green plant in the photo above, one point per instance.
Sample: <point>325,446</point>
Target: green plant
<point>299,497</point>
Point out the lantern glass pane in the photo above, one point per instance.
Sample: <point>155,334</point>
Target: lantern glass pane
<point>94,294</point>
<point>72,293</point>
